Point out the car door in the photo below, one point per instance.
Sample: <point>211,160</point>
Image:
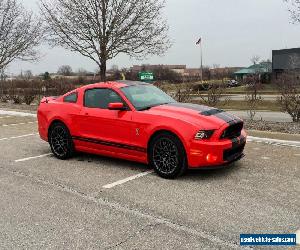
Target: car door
<point>101,128</point>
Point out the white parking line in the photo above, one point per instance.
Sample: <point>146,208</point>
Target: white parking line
<point>16,113</point>
<point>17,124</point>
<point>120,182</point>
<point>275,142</point>
<point>33,157</point>
<point>16,137</point>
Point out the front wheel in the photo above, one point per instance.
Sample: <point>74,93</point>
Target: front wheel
<point>167,156</point>
<point>60,141</point>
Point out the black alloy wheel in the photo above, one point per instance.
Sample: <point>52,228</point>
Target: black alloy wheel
<point>167,156</point>
<point>61,142</point>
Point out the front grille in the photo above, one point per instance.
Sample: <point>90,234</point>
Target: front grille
<point>234,153</point>
<point>233,131</point>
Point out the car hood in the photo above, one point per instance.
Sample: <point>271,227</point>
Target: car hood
<point>199,115</point>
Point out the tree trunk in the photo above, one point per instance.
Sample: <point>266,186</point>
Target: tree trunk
<point>103,70</point>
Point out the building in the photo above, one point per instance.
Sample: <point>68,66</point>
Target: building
<point>285,60</point>
<point>220,73</point>
<point>263,68</point>
<point>188,74</point>
<point>180,69</point>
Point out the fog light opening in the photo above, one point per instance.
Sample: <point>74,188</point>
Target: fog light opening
<point>211,158</point>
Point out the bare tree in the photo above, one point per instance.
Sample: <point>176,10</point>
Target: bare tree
<point>20,33</point>
<point>27,75</point>
<point>114,68</point>
<point>65,70</point>
<point>294,8</point>
<point>81,72</point>
<point>253,98</point>
<point>183,92</point>
<point>289,87</point>
<point>102,29</point>
<point>214,94</point>
<point>255,59</point>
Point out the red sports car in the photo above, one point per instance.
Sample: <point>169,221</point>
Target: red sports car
<point>139,122</point>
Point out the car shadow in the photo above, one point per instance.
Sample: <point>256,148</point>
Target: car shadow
<point>115,162</point>
<point>194,174</point>
<point>204,174</point>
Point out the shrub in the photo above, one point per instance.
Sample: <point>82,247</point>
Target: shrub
<point>253,98</point>
<point>214,94</point>
<point>16,99</point>
<point>289,87</point>
<point>4,98</point>
<point>201,87</point>
<point>28,99</point>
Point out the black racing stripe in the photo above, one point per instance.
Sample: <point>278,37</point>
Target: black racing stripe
<point>207,111</point>
<point>229,118</point>
<point>236,142</point>
<point>223,116</point>
<point>111,144</point>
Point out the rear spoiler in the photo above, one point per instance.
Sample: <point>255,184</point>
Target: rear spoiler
<point>46,99</point>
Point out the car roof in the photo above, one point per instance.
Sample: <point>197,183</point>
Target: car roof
<point>115,84</point>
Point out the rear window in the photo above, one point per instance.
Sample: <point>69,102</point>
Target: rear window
<point>72,98</point>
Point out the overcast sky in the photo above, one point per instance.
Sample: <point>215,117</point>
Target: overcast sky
<point>232,32</point>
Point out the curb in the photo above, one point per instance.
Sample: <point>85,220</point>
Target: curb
<point>295,144</point>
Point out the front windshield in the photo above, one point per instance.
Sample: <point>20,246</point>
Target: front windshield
<point>145,96</point>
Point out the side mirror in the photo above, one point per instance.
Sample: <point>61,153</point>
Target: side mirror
<point>116,106</point>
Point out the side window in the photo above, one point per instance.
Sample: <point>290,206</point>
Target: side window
<point>100,98</point>
<point>72,98</point>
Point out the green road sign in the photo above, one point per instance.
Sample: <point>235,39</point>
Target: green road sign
<point>146,76</point>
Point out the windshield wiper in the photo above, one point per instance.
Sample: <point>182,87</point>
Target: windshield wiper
<point>152,106</point>
<point>145,108</point>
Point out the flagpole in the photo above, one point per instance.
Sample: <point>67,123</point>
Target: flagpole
<point>201,55</point>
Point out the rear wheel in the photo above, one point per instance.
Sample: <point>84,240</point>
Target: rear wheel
<point>60,141</point>
<point>167,156</point>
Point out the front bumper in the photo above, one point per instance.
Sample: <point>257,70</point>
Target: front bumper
<point>216,153</point>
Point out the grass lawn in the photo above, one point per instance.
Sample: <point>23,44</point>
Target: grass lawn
<point>267,89</point>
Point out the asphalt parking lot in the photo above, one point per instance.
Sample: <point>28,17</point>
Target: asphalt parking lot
<point>96,202</point>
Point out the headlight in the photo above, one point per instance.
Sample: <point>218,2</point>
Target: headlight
<point>204,134</point>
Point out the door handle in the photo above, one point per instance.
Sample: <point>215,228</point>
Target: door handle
<point>86,113</point>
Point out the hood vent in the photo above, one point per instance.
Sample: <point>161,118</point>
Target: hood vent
<point>211,112</point>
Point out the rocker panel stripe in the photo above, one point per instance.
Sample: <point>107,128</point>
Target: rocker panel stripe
<point>111,144</point>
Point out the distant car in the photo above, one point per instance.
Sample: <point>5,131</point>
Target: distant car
<point>232,83</point>
<point>139,122</point>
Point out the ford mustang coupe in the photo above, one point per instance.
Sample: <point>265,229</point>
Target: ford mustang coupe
<point>137,121</point>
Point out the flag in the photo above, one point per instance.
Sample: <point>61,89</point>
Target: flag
<point>199,41</point>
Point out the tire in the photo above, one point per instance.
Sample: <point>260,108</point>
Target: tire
<point>60,141</point>
<point>167,156</point>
